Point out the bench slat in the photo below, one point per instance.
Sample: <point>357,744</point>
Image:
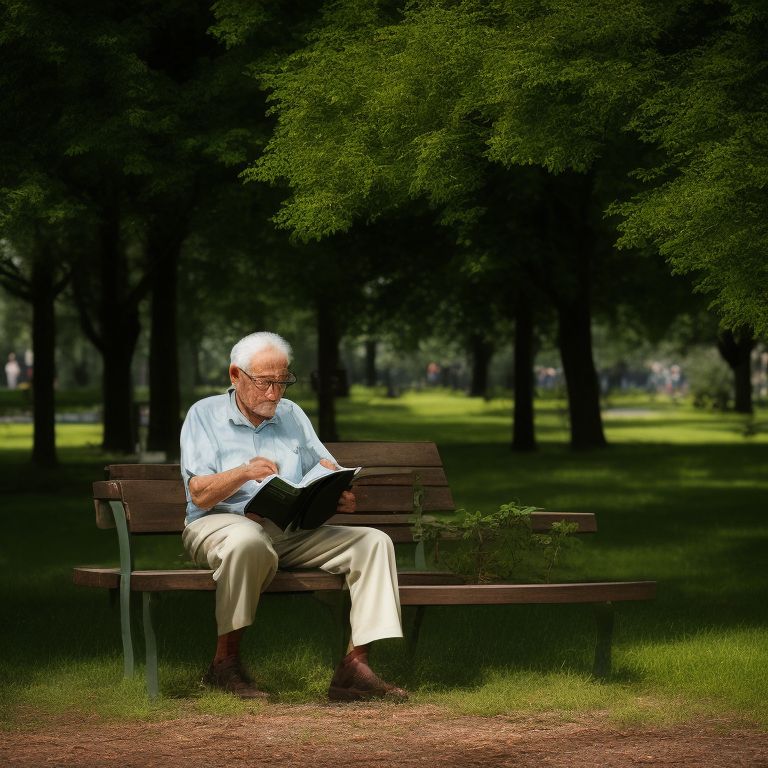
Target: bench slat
<point>373,497</point>
<point>164,491</point>
<point>170,519</point>
<point>158,516</point>
<point>427,476</point>
<point>374,453</point>
<point>172,489</point>
<point>541,522</point>
<point>416,587</point>
<point>498,594</point>
<point>193,579</point>
<point>143,472</point>
<point>385,454</point>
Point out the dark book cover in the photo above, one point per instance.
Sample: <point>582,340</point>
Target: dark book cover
<point>306,507</point>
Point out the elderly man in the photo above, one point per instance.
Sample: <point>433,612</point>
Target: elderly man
<point>231,442</point>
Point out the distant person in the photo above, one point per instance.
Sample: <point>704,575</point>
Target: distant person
<point>12,371</point>
<point>231,442</point>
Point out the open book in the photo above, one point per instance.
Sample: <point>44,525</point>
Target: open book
<point>306,504</point>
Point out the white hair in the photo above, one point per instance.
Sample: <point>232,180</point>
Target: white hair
<point>243,352</point>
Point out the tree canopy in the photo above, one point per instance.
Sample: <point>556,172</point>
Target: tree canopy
<point>379,109</point>
<point>452,167</point>
<point>704,207</point>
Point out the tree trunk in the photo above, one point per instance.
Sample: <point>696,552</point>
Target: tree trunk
<point>43,292</point>
<point>371,378</point>
<point>482,353</point>
<point>523,432</point>
<point>736,350</point>
<point>327,365</point>
<point>120,434</point>
<point>163,251</point>
<point>575,340</point>
<point>575,244</point>
<point>119,322</point>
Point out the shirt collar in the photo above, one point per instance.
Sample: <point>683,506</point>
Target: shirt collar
<point>237,417</point>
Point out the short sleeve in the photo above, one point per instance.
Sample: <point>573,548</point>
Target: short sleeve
<point>198,447</point>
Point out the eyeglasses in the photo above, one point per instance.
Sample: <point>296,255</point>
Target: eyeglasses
<point>263,384</point>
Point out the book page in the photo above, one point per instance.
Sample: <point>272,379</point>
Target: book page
<point>320,471</point>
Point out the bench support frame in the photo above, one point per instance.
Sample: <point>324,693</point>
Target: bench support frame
<point>150,643</point>
<point>604,620</point>
<point>604,616</point>
<point>126,566</point>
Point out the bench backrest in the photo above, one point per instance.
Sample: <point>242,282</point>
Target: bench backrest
<point>154,499</point>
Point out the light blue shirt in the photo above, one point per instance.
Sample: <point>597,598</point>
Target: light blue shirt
<point>217,437</point>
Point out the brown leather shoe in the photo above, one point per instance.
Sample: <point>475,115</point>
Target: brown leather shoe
<point>228,675</point>
<point>354,680</point>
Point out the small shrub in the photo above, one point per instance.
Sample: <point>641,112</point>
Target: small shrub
<point>500,547</point>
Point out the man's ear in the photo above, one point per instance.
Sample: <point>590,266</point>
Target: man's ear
<point>234,373</point>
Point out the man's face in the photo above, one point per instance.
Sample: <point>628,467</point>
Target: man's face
<point>258,405</point>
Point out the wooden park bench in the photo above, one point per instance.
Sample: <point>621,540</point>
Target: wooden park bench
<point>144,499</point>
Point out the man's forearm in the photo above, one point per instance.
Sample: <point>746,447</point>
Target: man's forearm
<point>208,490</point>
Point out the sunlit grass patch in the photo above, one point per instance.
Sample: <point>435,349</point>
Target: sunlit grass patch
<point>721,669</point>
<point>81,686</point>
<point>525,692</point>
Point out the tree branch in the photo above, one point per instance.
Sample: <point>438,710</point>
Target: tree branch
<point>14,281</point>
<point>86,323</point>
<point>59,286</point>
<point>139,291</point>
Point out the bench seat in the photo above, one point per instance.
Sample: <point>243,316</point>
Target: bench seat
<point>416,587</point>
<point>199,579</point>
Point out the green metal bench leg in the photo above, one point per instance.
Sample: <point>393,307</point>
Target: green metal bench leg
<point>604,618</point>
<point>150,646</point>
<point>126,566</point>
<point>125,627</point>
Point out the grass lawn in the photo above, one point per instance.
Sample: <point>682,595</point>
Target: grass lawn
<point>680,498</point>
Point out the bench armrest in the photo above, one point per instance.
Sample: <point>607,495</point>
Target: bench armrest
<point>105,491</point>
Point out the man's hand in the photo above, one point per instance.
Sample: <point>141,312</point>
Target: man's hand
<point>258,468</point>
<point>347,503</point>
<point>209,490</point>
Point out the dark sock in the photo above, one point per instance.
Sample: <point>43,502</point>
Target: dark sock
<point>358,652</point>
<point>228,645</point>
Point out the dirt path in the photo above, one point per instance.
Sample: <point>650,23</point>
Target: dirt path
<point>374,736</point>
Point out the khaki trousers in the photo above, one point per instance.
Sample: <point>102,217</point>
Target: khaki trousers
<point>244,556</point>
